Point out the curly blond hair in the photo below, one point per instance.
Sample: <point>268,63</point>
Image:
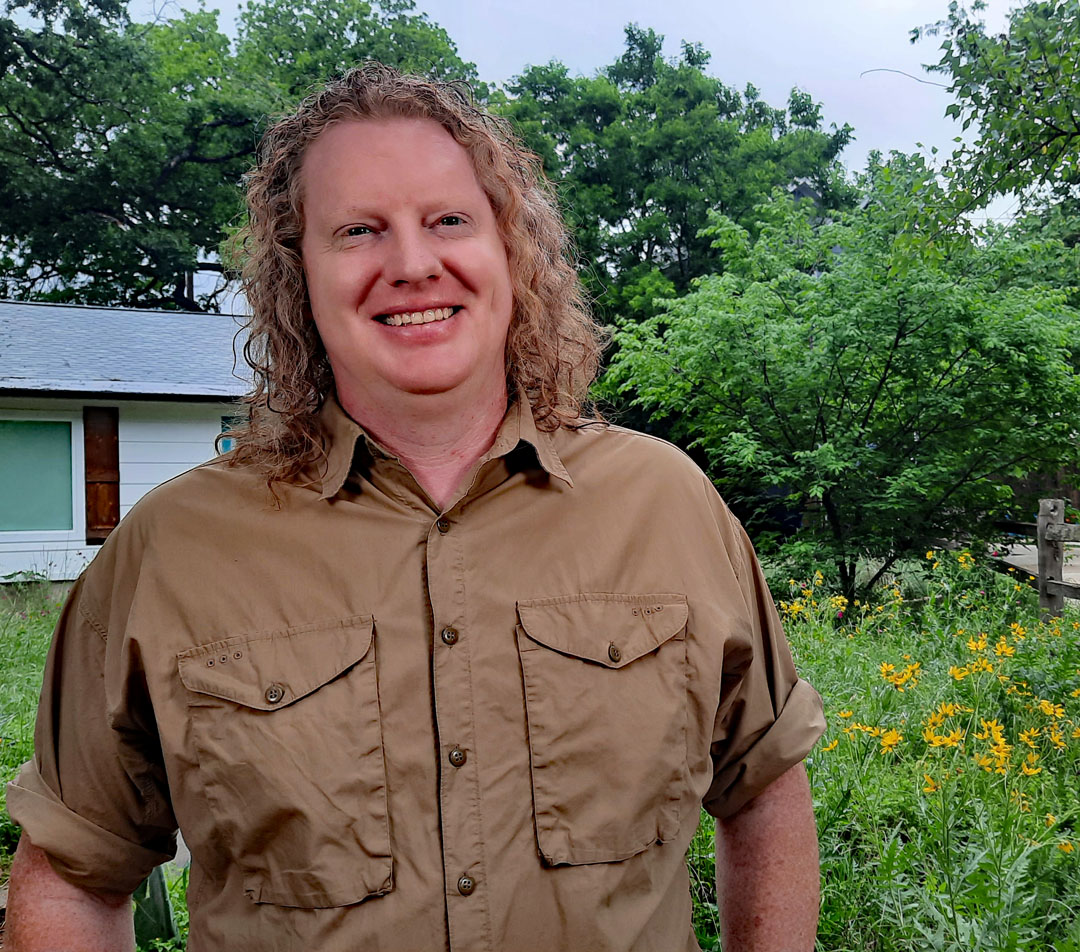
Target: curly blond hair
<point>553,345</point>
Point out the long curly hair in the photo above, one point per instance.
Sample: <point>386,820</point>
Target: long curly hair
<point>553,345</point>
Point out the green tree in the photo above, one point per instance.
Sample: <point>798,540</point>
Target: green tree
<point>886,393</point>
<point>122,144</point>
<point>299,45</point>
<point>645,148</point>
<point>1020,91</point>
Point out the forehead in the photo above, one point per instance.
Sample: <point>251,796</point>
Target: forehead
<point>383,159</point>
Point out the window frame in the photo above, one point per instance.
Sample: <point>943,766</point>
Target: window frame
<point>77,532</point>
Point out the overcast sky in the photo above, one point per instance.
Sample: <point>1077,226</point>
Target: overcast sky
<point>825,47</point>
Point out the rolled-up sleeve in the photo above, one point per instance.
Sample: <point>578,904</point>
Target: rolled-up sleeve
<point>94,797</point>
<point>772,718</point>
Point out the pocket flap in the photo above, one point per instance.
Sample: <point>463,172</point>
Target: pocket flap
<point>271,670</point>
<point>609,629</point>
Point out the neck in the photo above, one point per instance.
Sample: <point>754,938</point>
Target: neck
<point>438,437</point>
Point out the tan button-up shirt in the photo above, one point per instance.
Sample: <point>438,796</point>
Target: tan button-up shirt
<point>384,727</point>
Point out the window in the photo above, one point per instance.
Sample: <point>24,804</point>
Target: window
<point>35,475</point>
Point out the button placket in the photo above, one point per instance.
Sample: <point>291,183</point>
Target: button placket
<point>459,786</point>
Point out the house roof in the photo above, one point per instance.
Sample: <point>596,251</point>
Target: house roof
<point>68,348</point>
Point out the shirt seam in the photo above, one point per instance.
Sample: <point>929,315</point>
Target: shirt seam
<point>102,631</point>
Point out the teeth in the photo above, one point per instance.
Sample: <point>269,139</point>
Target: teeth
<point>419,317</point>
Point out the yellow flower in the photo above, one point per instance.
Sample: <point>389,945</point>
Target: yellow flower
<point>984,761</point>
<point>953,738</point>
<point>887,669</point>
<point>1065,847</point>
<point>932,786</point>
<point>930,553</point>
<point>1050,709</point>
<point>890,740</point>
<point>981,664</point>
<point>1056,737</point>
<point>1028,766</point>
<point>1028,736</point>
<point>830,746</point>
<point>959,673</point>
<point>977,645</point>
<point>1075,734</point>
<point>1050,819</point>
<point>1018,630</point>
<point>1003,649</point>
<point>843,713</point>
<point>818,578</point>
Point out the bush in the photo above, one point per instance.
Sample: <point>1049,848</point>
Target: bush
<point>947,785</point>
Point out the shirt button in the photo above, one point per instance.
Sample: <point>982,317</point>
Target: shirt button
<point>449,636</point>
<point>458,757</point>
<point>443,525</point>
<point>614,653</point>
<point>466,885</point>
<point>274,693</point>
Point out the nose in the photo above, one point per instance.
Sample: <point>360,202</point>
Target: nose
<point>411,257</point>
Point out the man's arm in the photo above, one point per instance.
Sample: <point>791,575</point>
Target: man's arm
<point>46,913</point>
<point>767,873</point>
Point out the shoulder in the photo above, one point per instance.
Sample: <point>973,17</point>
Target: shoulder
<point>610,447</point>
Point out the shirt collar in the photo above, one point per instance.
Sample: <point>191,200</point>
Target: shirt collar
<point>343,434</point>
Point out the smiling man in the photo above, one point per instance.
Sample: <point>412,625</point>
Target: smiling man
<point>430,661</point>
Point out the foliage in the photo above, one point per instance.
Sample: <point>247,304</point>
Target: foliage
<point>28,613</point>
<point>646,147</point>
<point>122,144</point>
<point>176,884</point>
<point>299,45</point>
<point>1019,89</point>
<point>885,387</point>
<point>946,786</point>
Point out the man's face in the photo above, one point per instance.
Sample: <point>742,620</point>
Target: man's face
<point>406,270</point>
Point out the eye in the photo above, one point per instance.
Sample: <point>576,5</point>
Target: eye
<point>356,231</point>
<point>451,220</point>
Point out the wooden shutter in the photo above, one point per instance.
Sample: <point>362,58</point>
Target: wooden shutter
<point>102,453</point>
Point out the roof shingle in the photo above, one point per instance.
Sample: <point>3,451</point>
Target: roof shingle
<point>78,349</point>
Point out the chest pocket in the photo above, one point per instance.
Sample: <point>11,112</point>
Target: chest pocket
<point>606,703</point>
<point>287,731</point>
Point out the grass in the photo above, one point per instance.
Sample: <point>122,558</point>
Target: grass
<point>946,787</point>
<point>28,614</point>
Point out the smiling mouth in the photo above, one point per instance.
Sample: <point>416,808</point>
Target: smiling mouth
<point>429,316</point>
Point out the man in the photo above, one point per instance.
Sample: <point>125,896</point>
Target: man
<point>430,661</point>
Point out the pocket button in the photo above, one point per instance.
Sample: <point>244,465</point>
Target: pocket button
<point>458,757</point>
<point>466,885</point>
<point>614,653</point>
<point>274,693</point>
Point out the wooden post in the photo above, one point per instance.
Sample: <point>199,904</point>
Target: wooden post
<point>1051,558</point>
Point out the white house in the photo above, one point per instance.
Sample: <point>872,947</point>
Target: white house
<point>98,406</point>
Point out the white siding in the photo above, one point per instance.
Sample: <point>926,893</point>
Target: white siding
<point>157,441</point>
<point>161,440</point>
